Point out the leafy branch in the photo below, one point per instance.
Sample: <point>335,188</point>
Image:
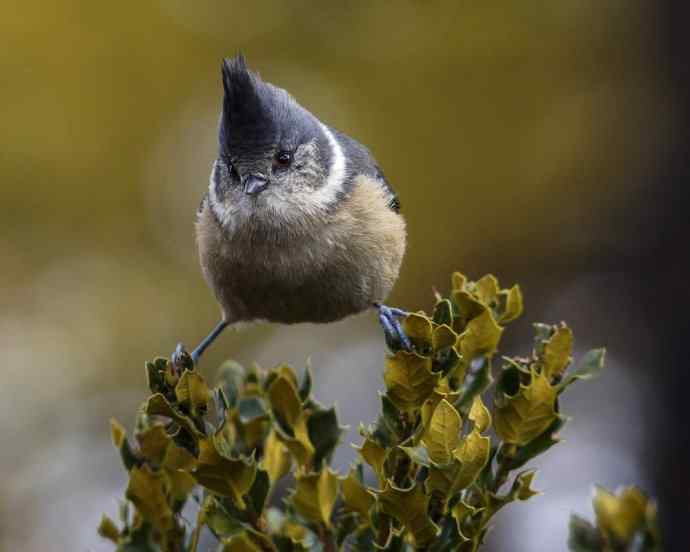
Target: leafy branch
<point>457,425</point>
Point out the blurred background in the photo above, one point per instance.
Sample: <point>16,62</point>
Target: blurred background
<point>545,142</point>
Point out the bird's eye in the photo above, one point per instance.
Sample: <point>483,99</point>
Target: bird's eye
<point>283,158</point>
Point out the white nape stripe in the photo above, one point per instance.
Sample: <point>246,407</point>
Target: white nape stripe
<point>336,172</point>
<point>218,210</point>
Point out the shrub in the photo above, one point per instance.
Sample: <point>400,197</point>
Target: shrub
<point>458,424</point>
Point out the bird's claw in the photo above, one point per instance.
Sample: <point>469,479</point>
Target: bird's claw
<point>181,359</point>
<point>389,318</point>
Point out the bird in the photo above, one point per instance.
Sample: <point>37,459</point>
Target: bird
<point>298,223</point>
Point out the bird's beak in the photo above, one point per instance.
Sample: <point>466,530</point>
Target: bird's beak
<point>254,185</point>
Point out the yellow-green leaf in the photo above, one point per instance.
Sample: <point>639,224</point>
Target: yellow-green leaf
<point>473,454</point>
<point>480,415</point>
<point>355,496</point>
<point>620,514</point>
<point>558,352</point>
<point>481,336</point>
<point>409,379</point>
<point>443,432</point>
<point>287,372</point>
<point>299,446</point>
<point>521,418</point>
<point>285,400</point>
<point>240,542</point>
<point>178,458</point>
<point>487,289</point>
<point>276,460</point>
<point>117,433</point>
<point>148,491</point>
<point>181,484</point>
<point>409,507</point>
<point>468,461</point>
<point>419,329</point>
<point>442,337</point>
<point>514,306</point>
<point>315,495</point>
<point>374,455</point>
<point>108,530</point>
<point>468,307</point>
<point>522,487</point>
<point>231,477</point>
<point>462,511</point>
<point>192,392</point>
<point>153,442</point>
<point>158,405</point>
<point>458,281</point>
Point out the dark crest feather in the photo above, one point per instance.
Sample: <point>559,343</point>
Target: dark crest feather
<point>246,104</point>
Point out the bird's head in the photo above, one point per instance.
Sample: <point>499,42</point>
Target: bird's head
<point>276,160</point>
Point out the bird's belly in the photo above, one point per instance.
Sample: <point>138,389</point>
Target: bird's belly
<point>298,285</point>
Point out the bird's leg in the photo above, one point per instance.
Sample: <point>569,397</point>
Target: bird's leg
<point>181,359</point>
<point>210,338</point>
<point>389,318</point>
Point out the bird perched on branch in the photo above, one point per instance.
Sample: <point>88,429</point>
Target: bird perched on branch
<point>298,223</point>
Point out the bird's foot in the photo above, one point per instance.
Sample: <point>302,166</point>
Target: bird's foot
<point>181,359</point>
<point>389,318</point>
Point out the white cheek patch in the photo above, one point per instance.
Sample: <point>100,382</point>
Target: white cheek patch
<point>226,216</point>
<point>328,193</point>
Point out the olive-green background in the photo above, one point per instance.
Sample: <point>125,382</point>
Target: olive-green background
<point>524,139</point>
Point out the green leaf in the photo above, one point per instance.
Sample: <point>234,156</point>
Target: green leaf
<point>466,307</point>
<point>155,375</point>
<point>306,384</point>
<point>315,495</point>
<point>443,433</point>
<point>259,491</point>
<point>231,376</point>
<point>590,367</point>
<point>443,313</point>
<point>520,418</point>
<point>477,381</point>
<point>324,434</point>
<point>583,536</point>
<point>251,408</point>
<point>409,379</point>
